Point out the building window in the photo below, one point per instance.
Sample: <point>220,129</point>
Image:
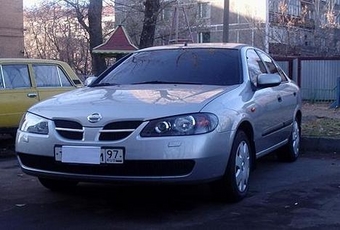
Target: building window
<point>310,14</point>
<point>275,6</point>
<point>166,14</point>
<point>294,7</point>
<point>203,37</point>
<point>323,19</point>
<point>203,10</point>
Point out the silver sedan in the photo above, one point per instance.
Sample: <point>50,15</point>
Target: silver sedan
<point>185,113</point>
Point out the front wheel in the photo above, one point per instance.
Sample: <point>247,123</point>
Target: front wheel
<point>57,185</point>
<point>233,186</point>
<point>291,151</point>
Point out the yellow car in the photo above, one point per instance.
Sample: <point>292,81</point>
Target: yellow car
<point>24,82</point>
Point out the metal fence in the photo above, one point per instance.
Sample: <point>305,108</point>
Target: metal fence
<point>317,77</point>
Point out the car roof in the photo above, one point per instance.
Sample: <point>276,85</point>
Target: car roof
<point>29,60</point>
<point>237,46</point>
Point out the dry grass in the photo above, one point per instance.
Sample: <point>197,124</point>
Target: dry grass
<point>319,120</point>
<point>321,127</point>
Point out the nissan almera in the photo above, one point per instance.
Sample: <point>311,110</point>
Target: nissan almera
<point>184,113</point>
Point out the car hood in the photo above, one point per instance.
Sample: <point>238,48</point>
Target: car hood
<point>139,102</point>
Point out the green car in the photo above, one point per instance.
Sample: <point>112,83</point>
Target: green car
<point>24,82</point>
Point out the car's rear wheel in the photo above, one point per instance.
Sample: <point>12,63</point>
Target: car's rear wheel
<point>291,151</point>
<point>57,185</point>
<point>233,186</point>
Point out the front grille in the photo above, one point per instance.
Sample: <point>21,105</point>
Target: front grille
<point>118,130</point>
<point>129,168</point>
<point>111,132</point>
<point>69,129</point>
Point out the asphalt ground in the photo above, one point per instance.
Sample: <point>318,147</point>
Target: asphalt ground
<point>320,144</point>
<point>6,146</point>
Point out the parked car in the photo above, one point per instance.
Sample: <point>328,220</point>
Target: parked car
<point>24,82</point>
<point>187,113</point>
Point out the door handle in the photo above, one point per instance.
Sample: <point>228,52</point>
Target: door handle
<point>32,95</point>
<point>279,98</point>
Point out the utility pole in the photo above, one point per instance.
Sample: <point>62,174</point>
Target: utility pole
<point>175,25</point>
<point>226,21</point>
<point>267,28</point>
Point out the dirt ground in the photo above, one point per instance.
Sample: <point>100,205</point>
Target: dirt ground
<point>319,120</point>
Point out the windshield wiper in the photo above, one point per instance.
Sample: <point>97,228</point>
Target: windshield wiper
<point>166,82</point>
<point>104,84</point>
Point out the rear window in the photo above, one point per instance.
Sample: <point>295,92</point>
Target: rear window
<point>50,76</point>
<point>181,66</point>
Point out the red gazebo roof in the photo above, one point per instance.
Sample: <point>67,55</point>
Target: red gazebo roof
<point>118,42</point>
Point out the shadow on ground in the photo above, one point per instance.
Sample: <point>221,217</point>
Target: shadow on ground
<point>6,145</point>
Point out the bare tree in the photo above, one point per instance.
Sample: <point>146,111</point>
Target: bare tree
<point>156,26</point>
<point>149,24</point>
<point>94,28</point>
<point>52,32</point>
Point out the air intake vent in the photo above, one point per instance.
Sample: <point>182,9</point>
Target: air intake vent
<point>69,129</point>
<point>118,130</point>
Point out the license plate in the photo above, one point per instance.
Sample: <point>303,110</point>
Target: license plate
<point>112,156</point>
<point>80,154</point>
<point>89,155</point>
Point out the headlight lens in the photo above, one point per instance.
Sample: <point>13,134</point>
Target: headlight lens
<point>34,124</point>
<point>189,124</point>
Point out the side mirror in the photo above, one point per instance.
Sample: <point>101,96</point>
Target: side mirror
<point>268,80</point>
<point>89,80</point>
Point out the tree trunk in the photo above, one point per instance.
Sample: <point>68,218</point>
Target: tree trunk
<point>96,35</point>
<point>149,24</point>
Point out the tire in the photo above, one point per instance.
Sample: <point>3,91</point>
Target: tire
<point>57,185</point>
<point>291,151</point>
<point>233,186</point>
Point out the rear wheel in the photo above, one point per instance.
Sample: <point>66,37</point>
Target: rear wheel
<point>233,186</point>
<point>291,151</point>
<point>57,185</point>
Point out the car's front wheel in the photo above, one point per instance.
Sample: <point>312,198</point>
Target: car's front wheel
<point>57,185</point>
<point>291,151</point>
<point>233,186</point>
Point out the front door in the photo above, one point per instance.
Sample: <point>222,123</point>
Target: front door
<point>16,94</point>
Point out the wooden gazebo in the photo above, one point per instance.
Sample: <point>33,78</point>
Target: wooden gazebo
<point>119,44</point>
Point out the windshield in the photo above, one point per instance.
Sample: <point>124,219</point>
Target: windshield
<point>178,66</point>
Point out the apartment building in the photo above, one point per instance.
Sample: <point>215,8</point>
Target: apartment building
<point>11,28</point>
<point>304,27</point>
<point>282,27</point>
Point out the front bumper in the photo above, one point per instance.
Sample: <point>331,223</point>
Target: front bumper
<point>169,159</point>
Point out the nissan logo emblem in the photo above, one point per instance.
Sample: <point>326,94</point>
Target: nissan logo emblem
<point>94,117</point>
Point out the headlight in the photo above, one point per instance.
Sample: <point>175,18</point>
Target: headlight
<point>189,124</point>
<point>34,124</point>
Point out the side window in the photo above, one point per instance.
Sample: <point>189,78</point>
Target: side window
<point>271,66</point>
<point>2,81</point>
<point>268,62</point>
<point>16,76</point>
<point>255,65</point>
<point>50,76</point>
